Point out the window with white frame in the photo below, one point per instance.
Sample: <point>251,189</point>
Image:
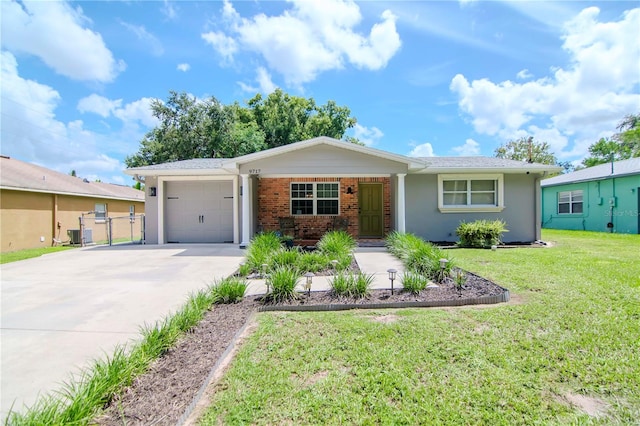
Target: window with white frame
<point>570,202</point>
<point>315,198</point>
<point>482,193</point>
<point>101,212</point>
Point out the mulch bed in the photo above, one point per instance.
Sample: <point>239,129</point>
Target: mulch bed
<point>161,396</point>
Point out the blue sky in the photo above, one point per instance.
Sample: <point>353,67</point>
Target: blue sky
<point>423,78</point>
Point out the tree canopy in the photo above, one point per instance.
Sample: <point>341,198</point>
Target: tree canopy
<point>193,128</point>
<point>526,149</point>
<point>621,146</point>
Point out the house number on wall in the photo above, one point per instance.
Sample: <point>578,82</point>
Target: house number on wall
<point>254,171</point>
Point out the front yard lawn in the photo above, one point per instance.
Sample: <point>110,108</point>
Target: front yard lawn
<point>565,350</point>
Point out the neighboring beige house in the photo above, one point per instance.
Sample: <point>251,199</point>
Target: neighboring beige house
<point>38,206</point>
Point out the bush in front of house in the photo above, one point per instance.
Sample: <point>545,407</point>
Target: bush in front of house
<point>260,249</point>
<point>337,245</point>
<point>351,285</point>
<point>228,290</point>
<point>419,256</point>
<point>414,283</point>
<point>283,281</point>
<point>481,233</point>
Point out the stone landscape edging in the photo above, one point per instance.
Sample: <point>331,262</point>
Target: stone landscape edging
<point>483,300</point>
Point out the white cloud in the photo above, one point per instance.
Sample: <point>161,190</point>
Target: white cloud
<point>225,46</point>
<point>98,105</point>
<point>183,67</point>
<point>55,32</point>
<point>367,135</point>
<point>138,111</point>
<point>264,80</point>
<point>31,132</point>
<point>524,74</point>
<point>577,102</point>
<point>308,39</point>
<point>155,46</point>
<point>422,150</point>
<point>169,10</point>
<point>469,149</point>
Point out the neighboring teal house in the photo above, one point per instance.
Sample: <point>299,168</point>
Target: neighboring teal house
<point>602,198</point>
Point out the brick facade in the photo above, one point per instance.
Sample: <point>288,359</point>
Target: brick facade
<point>274,203</point>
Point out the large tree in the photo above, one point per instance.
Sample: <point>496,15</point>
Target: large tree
<point>621,146</point>
<point>526,149</point>
<point>192,128</point>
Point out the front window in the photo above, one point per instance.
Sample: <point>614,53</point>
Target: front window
<point>470,192</point>
<point>315,198</point>
<point>101,212</point>
<point>570,202</point>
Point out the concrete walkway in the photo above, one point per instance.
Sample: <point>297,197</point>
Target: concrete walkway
<point>371,260</point>
<point>62,310</point>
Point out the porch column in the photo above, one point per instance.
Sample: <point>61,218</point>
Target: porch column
<point>246,213</point>
<point>400,213</point>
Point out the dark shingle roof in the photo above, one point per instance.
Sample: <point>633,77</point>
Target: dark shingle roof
<point>602,171</point>
<point>21,176</point>
<point>193,164</point>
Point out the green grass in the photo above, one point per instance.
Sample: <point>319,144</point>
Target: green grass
<point>573,327</point>
<point>14,256</point>
<point>79,400</point>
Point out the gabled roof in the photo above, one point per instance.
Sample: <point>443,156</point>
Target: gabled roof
<point>21,176</point>
<point>483,165</point>
<point>601,171</point>
<point>412,163</point>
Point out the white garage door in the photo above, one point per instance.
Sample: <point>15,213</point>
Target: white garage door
<point>199,212</point>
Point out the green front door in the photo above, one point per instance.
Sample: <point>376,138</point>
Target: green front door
<point>370,218</point>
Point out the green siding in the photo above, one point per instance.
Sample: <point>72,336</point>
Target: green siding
<point>598,207</point>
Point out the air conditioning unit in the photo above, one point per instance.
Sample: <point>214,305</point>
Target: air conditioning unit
<point>74,236</point>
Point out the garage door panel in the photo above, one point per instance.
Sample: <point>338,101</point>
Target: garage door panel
<point>199,212</point>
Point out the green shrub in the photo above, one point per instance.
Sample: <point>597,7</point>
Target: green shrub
<point>283,283</point>
<point>349,285</point>
<point>260,249</point>
<point>414,283</point>
<point>229,290</point>
<point>481,233</point>
<point>314,261</point>
<point>336,244</point>
<point>284,257</point>
<point>419,256</point>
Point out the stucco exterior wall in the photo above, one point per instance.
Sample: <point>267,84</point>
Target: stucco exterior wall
<point>425,220</point>
<point>613,200</point>
<point>33,219</point>
<point>274,203</point>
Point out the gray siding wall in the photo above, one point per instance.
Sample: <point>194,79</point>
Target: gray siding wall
<point>151,211</point>
<point>323,160</point>
<point>425,220</point>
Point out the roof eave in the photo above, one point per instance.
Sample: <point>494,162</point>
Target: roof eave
<point>436,170</point>
<point>74,194</point>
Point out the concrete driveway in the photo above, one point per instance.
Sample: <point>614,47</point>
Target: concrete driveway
<point>62,310</point>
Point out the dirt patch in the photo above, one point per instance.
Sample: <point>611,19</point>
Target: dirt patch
<point>385,319</point>
<point>595,407</point>
<point>162,395</point>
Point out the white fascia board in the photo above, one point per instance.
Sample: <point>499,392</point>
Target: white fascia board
<point>181,172</point>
